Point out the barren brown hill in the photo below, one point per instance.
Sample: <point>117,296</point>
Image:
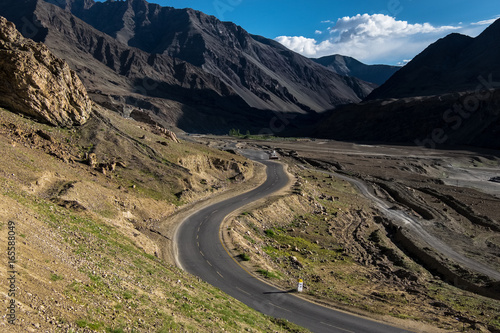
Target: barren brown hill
<point>261,71</point>
<point>86,211</point>
<point>171,91</point>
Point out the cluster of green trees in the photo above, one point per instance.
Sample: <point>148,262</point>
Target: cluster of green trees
<point>236,132</point>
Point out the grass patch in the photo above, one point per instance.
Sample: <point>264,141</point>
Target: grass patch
<point>55,277</point>
<point>244,256</point>
<point>127,295</point>
<point>270,233</point>
<point>288,326</point>
<point>268,274</point>
<point>83,323</point>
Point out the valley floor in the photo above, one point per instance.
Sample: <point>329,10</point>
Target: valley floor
<point>94,210</point>
<point>352,256</point>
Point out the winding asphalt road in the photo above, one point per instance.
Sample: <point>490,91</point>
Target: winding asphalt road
<point>201,252</point>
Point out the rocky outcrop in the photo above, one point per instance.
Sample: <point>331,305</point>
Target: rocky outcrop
<point>36,83</point>
<point>166,133</point>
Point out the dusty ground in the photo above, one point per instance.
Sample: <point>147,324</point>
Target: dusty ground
<point>352,257</point>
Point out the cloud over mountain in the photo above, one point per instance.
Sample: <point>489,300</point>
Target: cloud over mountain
<point>370,38</point>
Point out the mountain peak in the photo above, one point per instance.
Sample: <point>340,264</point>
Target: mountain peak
<point>493,29</point>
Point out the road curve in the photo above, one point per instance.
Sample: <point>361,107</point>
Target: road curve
<point>201,252</point>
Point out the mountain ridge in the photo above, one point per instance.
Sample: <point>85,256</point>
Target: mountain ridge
<point>349,66</point>
<point>124,78</point>
<point>265,74</point>
<point>203,75</point>
<point>448,95</point>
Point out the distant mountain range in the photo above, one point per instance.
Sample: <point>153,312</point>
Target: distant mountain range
<point>455,63</point>
<point>447,95</point>
<point>183,67</point>
<point>348,66</point>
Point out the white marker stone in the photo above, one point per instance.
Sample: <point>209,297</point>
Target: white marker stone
<point>300,287</point>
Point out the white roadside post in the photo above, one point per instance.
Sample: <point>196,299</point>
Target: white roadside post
<point>300,286</point>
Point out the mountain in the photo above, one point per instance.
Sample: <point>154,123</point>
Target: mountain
<point>126,79</point>
<point>181,67</point>
<point>454,63</point>
<point>261,71</point>
<point>434,121</point>
<point>448,95</point>
<point>92,199</point>
<point>348,66</point>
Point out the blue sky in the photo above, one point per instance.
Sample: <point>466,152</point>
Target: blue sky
<point>373,31</point>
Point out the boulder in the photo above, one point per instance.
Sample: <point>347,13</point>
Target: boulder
<point>36,83</point>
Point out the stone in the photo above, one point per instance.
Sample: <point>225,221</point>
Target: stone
<point>166,133</point>
<point>36,83</point>
<point>92,160</point>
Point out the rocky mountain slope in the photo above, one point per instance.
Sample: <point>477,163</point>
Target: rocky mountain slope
<point>125,79</point>
<point>348,66</point>
<point>455,63</point>
<point>91,238</point>
<point>263,72</point>
<point>182,67</point>
<point>433,122</point>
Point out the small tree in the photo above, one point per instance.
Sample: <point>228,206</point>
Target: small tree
<point>234,132</point>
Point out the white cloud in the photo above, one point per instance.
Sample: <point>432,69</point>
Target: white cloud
<point>404,62</point>
<point>370,38</point>
<point>487,22</point>
<point>305,46</point>
<point>379,25</point>
<point>318,32</point>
